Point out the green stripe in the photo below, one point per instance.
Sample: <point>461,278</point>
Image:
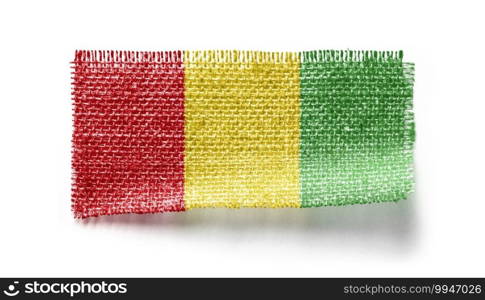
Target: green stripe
<point>357,128</point>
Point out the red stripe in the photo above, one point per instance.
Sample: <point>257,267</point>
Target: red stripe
<point>128,140</point>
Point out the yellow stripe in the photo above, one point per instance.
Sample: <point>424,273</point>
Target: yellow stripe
<point>242,129</point>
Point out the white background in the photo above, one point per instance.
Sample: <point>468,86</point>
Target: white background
<point>437,232</point>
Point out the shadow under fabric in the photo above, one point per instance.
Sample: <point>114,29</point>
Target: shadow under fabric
<point>171,131</point>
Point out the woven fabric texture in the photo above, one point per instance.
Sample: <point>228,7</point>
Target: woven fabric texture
<point>171,131</point>
<point>241,130</point>
<point>356,128</point>
<point>128,140</point>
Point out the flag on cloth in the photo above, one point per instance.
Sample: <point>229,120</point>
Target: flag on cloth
<point>171,131</point>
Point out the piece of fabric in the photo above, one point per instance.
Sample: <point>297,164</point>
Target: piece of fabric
<point>242,121</point>
<point>128,141</point>
<point>170,131</point>
<point>356,128</point>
